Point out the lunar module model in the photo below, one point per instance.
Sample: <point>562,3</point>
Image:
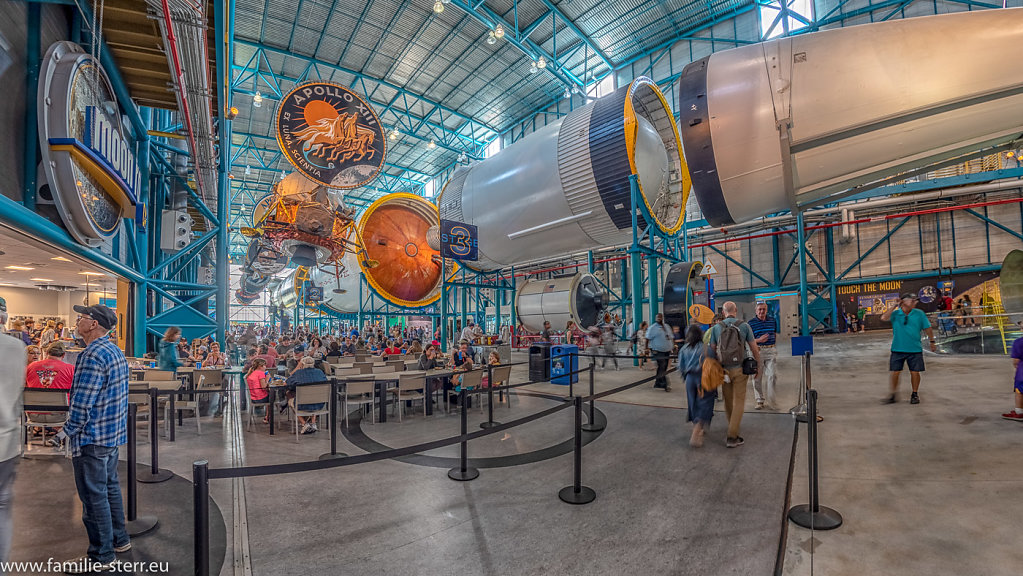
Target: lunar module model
<point>301,222</point>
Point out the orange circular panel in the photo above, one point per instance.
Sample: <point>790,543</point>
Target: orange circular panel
<point>395,236</point>
<point>701,314</point>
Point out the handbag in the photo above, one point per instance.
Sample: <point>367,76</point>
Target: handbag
<point>749,363</point>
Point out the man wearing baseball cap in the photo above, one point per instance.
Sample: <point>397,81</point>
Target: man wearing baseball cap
<point>907,323</point>
<point>95,428</point>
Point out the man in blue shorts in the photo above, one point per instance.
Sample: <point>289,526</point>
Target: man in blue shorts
<point>907,324</point>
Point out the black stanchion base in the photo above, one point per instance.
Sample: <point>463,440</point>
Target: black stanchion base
<point>824,519</point>
<point>147,476</point>
<point>590,427</point>
<point>801,418</point>
<point>463,475</point>
<point>491,424</point>
<point>585,495</point>
<point>329,456</point>
<point>140,525</point>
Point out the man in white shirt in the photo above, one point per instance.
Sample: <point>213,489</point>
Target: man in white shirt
<point>12,382</point>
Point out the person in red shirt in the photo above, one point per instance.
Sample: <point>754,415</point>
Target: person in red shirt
<point>50,372</point>
<point>392,349</point>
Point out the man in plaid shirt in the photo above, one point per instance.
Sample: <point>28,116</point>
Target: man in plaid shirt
<point>96,427</point>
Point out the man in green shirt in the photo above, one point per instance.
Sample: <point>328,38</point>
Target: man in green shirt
<point>907,323</point>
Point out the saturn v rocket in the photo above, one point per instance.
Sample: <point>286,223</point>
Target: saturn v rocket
<point>565,188</point>
<point>804,120</point>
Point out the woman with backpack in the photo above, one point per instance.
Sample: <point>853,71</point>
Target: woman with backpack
<point>700,402</point>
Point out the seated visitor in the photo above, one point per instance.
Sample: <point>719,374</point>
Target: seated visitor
<point>257,381</point>
<point>462,355</point>
<point>428,359</point>
<point>216,358</point>
<point>50,372</point>
<point>306,373</point>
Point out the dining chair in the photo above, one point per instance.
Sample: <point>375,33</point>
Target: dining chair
<point>360,391</point>
<point>410,387</point>
<point>311,395</point>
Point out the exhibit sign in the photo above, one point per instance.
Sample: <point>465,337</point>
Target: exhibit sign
<point>88,158</point>
<point>459,241</point>
<point>331,135</point>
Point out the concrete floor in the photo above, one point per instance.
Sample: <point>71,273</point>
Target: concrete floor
<point>925,489</point>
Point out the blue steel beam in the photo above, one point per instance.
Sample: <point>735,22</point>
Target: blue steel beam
<point>466,120</point>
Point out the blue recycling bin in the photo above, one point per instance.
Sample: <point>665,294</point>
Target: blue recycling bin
<point>564,364</point>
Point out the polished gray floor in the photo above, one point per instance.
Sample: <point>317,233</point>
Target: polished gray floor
<point>661,508</point>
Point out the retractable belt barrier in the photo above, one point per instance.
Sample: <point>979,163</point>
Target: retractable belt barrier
<point>574,494</point>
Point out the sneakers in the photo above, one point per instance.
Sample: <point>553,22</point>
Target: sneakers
<point>667,388</point>
<point>734,442</point>
<point>307,429</point>
<point>696,439</point>
<point>760,405</point>
<point>123,547</point>
<point>889,400</point>
<point>1013,416</point>
<point>914,399</point>
<point>86,565</point>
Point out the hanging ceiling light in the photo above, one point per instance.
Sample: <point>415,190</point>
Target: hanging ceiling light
<point>431,145</point>
<point>568,93</point>
<point>532,68</point>
<point>248,170</point>
<point>438,6</point>
<point>491,39</point>
<point>462,158</point>
<point>499,31</point>
<point>575,89</point>
<point>257,100</point>
<point>541,62</point>
<point>283,174</point>
<point>394,134</point>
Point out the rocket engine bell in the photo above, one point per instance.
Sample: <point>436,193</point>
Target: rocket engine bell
<point>398,263</point>
<point>565,188</point>
<point>799,120</point>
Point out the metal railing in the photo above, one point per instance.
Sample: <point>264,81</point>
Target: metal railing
<point>974,333</point>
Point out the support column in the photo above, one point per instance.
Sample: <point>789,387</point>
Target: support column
<point>832,289</point>
<point>141,239</point>
<point>223,17</point>
<point>804,314</point>
<point>443,306</point>
<point>652,279</point>
<point>31,135</point>
<point>636,291</point>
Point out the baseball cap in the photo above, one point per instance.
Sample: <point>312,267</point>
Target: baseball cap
<point>105,316</point>
<point>910,295</point>
<point>56,349</point>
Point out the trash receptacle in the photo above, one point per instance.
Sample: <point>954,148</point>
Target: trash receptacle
<point>540,362</point>
<point>564,364</point>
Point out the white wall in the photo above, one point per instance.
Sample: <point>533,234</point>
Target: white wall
<point>40,304</point>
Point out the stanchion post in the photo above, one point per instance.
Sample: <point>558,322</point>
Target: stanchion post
<point>591,425</point>
<point>577,493</point>
<point>171,399</point>
<point>332,408</point>
<point>201,516</point>
<point>134,524</point>
<point>463,473</point>
<point>490,400</point>
<point>154,474</point>
<point>813,515</point>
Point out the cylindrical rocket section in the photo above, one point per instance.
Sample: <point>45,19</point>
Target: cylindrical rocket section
<point>565,188</point>
<point>578,298</point>
<point>683,287</point>
<point>794,121</point>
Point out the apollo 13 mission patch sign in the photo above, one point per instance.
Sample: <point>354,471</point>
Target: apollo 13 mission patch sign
<point>331,135</point>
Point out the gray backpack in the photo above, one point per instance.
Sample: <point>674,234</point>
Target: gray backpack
<point>731,345</point>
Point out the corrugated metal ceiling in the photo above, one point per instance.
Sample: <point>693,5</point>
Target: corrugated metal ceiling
<point>443,59</point>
